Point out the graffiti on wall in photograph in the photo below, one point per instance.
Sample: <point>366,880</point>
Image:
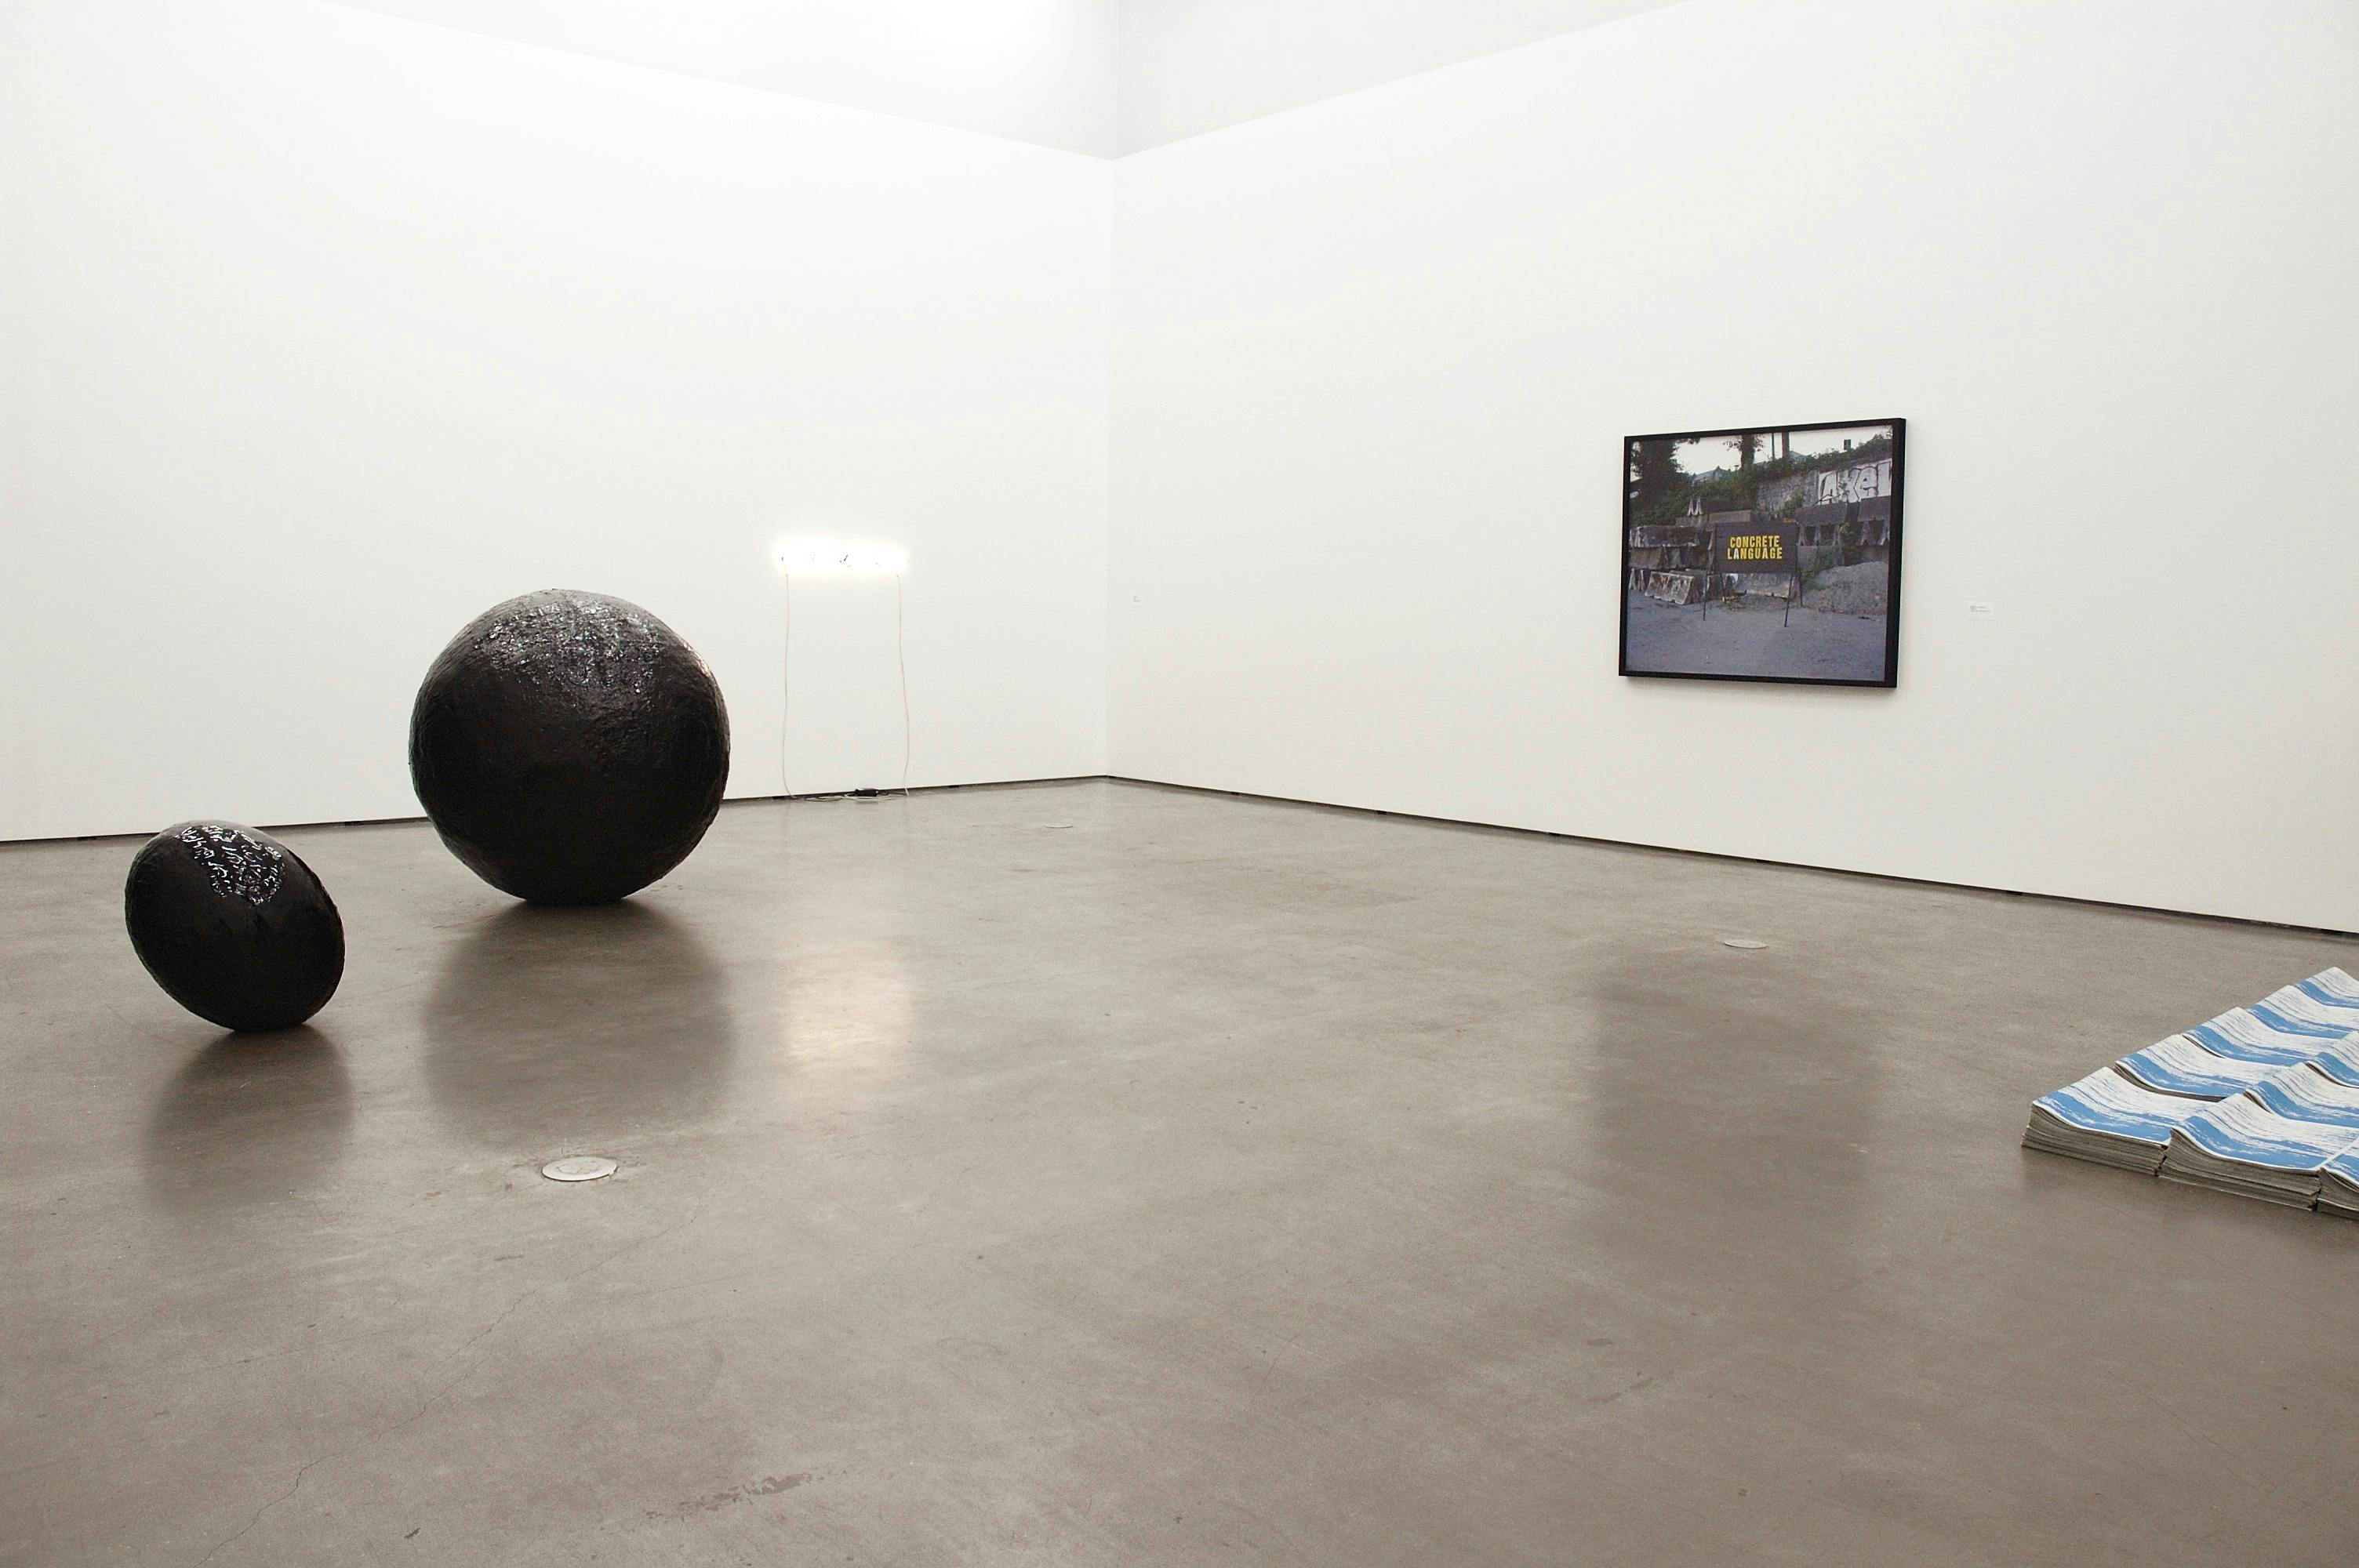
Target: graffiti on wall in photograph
<point>1768,553</point>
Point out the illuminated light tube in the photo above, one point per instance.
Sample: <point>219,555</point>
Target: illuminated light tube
<point>821,557</point>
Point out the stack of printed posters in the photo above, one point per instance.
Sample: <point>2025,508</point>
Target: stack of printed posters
<point>2341,1062</point>
<point>2261,1034</point>
<point>2337,1186</point>
<point>2179,1067</point>
<point>2329,997</point>
<point>2273,1141</point>
<point>2262,1101</point>
<point>2110,1118</point>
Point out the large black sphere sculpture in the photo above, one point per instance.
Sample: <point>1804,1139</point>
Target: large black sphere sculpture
<point>233,925</point>
<point>569,747</point>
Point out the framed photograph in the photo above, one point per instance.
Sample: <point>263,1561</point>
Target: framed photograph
<point>1769,553</point>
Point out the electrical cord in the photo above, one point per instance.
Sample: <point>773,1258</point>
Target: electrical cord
<point>787,680</point>
<point>901,653</point>
<point>786,683</point>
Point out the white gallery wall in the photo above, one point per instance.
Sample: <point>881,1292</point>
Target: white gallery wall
<point>1192,66</point>
<point>1038,71</point>
<point>1283,459</point>
<point>1374,359</point>
<point>325,330</point>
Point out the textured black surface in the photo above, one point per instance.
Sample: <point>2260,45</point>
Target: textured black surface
<point>233,925</point>
<point>569,747</point>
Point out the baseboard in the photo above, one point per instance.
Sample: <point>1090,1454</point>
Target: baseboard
<point>1736,860</point>
<point>1466,823</point>
<point>419,817</point>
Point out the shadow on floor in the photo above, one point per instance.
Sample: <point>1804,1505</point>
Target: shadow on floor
<point>1748,1080</point>
<point>250,1119</point>
<point>557,1030</point>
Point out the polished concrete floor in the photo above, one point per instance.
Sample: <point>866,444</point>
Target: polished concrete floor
<point>1100,1174</point>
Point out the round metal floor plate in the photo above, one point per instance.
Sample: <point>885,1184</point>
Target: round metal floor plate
<point>579,1168</point>
<point>1747,943</point>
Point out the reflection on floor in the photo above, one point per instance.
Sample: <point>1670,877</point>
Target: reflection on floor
<point>1104,1174</point>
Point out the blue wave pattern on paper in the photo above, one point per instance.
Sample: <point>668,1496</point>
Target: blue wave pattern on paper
<point>2305,1093</point>
<point>2102,1102</point>
<point>2327,998</point>
<point>2262,1101</point>
<point>2340,1063</point>
<point>2245,1131</point>
<point>2246,1036</point>
<point>2181,1065</point>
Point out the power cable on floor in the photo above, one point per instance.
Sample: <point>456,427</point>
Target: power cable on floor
<point>786,683</point>
<point>901,653</point>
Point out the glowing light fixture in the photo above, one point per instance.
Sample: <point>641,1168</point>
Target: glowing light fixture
<point>824,557</point>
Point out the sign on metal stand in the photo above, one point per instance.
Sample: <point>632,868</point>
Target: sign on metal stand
<point>1751,549</point>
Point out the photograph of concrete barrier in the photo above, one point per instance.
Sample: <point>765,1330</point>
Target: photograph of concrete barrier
<point>1768,553</point>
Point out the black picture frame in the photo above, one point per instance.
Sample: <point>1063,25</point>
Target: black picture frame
<point>1891,678</point>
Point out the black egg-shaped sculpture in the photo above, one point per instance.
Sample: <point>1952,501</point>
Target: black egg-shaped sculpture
<point>569,747</point>
<point>233,925</point>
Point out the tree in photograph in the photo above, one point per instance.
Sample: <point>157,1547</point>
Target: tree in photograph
<point>1658,488</point>
<point>1748,448</point>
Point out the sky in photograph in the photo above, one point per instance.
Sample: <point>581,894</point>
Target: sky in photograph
<point>1720,452</point>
